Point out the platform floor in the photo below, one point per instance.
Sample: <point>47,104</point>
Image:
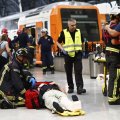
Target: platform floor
<point>93,102</point>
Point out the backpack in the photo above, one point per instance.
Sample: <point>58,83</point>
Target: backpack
<point>32,99</point>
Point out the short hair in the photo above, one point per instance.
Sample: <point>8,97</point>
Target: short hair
<point>71,20</point>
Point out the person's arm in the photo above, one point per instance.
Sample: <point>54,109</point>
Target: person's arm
<point>8,50</point>
<point>112,32</point>
<point>52,42</point>
<point>16,80</point>
<point>61,38</point>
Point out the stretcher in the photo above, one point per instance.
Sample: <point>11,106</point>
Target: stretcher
<point>103,60</point>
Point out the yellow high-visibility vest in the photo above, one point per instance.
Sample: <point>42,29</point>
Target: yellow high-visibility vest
<point>72,46</point>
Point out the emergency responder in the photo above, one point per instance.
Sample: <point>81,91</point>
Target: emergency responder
<point>113,62</point>
<point>24,42</point>
<point>14,79</point>
<point>46,43</point>
<point>72,44</point>
<point>15,42</point>
<point>31,49</point>
<point>23,38</point>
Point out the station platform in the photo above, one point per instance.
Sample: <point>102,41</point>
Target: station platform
<point>93,102</point>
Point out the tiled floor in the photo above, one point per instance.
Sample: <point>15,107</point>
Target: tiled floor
<point>93,102</point>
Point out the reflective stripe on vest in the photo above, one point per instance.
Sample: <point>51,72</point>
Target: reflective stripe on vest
<point>71,46</point>
<point>112,49</point>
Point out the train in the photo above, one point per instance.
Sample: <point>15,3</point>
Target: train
<point>54,17</point>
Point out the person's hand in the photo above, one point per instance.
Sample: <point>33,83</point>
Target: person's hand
<point>32,81</point>
<point>106,27</point>
<point>65,52</point>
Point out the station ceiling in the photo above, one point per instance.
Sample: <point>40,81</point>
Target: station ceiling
<point>9,7</point>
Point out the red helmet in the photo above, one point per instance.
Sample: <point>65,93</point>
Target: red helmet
<point>4,31</point>
<point>19,31</point>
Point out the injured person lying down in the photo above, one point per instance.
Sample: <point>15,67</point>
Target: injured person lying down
<point>58,102</point>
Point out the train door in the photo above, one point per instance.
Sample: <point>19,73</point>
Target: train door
<point>39,26</point>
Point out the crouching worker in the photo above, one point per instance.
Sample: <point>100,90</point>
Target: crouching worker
<point>57,101</point>
<point>14,79</point>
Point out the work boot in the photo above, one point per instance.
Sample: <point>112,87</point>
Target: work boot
<point>70,90</point>
<point>80,90</point>
<point>44,72</point>
<point>52,70</point>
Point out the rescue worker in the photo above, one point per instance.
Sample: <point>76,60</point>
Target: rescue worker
<point>113,63</point>
<point>46,43</point>
<point>24,42</point>
<point>31,49</point>
<point>15,42</point>
<point>14,79</point>
<point>72,43</point>
<point>23,38</point>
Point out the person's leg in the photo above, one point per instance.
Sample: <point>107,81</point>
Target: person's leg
<point>68,104</point>
<point>44,65</point>
<point>78,73</point>
<point>113,86</point>
<point>69,70</point>
<point>50,60</point>
<point>5,102</point>
<point>58,107</point>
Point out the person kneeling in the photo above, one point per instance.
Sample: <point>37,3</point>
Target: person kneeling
<point>15,79</point>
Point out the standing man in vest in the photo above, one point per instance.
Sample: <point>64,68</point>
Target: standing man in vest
<point>72,44</point>
<point>113,62</point>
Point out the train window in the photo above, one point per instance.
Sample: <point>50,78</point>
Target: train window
<point>86,20</point>
<point>10,24</point>
<point>46,24</point>
<point>33,32</point>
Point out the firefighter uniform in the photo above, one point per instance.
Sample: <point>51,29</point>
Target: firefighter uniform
<point>46,54</point>
<point>113,62</point>
<point>14,80</point>
<point>31,50</point>
<point>72,44</point>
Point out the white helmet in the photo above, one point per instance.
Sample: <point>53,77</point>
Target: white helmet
<point>44,30</point>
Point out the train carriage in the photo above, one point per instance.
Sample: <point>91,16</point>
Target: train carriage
<point>54,17</point>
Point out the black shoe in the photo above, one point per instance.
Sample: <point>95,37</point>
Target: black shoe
<point>81,90</point>
<point>75,98</point>
<point>52,72</point>
<point>58,107</point>
<point>70,91</point>
<point>44,72</point>
<point>117,102</point>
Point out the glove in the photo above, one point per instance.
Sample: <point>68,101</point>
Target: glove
<point>32,81</point>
